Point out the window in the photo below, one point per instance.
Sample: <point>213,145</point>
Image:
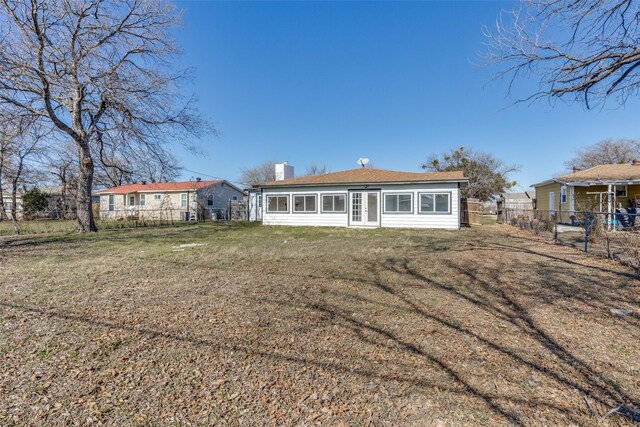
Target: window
<point>304,203</point>
<point>563,194</point>
<point>234,198</point>
<point>132,200</point>
<point>278,204</point>
<point>334,203</point>
<point>621,191</point>
<point>183,200</point>
<point>142,200</point>
<point>112,202</point>
<point>157,197</point>
<point>210,200</point>
<point>398,203</point>
<point>435,203</point>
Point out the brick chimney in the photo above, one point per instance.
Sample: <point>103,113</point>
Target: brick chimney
<point>636,162</point>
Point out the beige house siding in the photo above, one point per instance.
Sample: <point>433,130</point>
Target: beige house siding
<point>167,205</point>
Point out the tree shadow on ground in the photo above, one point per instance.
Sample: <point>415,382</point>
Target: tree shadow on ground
<point>488,293</point>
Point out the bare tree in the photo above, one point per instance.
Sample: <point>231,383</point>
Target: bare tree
<point>608,151</point>
<point>264,172</point>
<point>98,71</point>
<point>314,169</point>
<point>119,166</point>
<point>488,176</point>
<point>586,50</point>
<point>20,140</point>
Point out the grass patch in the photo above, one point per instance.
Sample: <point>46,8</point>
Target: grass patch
<point>246,323</point>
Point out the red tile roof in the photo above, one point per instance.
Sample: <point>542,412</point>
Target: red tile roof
<point>367,175</point>
<point>158,186</point>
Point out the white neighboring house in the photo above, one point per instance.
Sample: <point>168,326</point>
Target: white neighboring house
<point>52,193</point>
<point>184,201</point>
<point>8,204</point>
<point>362,197</point>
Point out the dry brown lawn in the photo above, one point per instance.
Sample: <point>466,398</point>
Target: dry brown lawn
<point>300,326</point>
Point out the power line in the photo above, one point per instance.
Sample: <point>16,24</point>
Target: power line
<point>211,176</point>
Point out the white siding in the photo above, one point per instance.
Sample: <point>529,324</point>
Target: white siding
<point>395,220</point>
<point>311,219</point>
<point>221,193</point>
<point>417,219</point>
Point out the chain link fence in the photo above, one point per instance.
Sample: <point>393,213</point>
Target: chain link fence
<point>51,222</point>
<point>614,235</point>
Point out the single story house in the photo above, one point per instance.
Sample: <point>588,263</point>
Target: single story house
<point>185,201</point>
<point>52,193</point>
<point>362,197</point>
<point>7,201</point>
<point>602,188</point>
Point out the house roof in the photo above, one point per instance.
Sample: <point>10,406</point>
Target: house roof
<point>605,173</point>
<point>520,196</point>
<point>601,174</point>
<point>366,176</point>
<point>158,186</point>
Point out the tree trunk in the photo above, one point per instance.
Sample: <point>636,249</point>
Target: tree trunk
<point>3,210</point>
<point>14,201</point>
<point>86,221</point>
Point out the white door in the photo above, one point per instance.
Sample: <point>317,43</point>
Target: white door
<point>364,208</point>
<point>552,201</point>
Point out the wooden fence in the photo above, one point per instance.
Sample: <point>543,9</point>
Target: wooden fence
<point>471,211</point>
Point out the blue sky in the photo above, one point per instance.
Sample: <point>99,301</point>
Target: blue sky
<point>329,82</point>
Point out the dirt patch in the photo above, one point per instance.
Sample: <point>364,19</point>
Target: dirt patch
<point>333,327</point>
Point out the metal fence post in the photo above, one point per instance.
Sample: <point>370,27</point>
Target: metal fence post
<point>586,231</point>
<point>555,228</point>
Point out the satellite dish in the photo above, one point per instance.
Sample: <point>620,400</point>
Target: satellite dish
<point>362,161</point>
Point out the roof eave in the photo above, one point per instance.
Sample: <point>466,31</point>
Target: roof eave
<point>587,183</point>
<point>325,184</point>
<point>548,181</point>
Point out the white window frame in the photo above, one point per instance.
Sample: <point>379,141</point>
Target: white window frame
<point>111,202</point>
<point>333,202</point>
<point>386,210</point>
<point>626,191</point>
<point>234,197</point>
<point>434,194</point>
<point>276,196</point>
<point>304,203</point>
<point>184,200</point>
<point>563,195</point>
<point>132,200</point>
<point>143,199</point>
<point>157,197</point>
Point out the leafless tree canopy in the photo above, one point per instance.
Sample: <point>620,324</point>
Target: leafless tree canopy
<point>98,71</point>
<point>21,149</point>
<point>608,151</point>
<point>584,50</point>
<point>314,169</point>
<point>264,172</point>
